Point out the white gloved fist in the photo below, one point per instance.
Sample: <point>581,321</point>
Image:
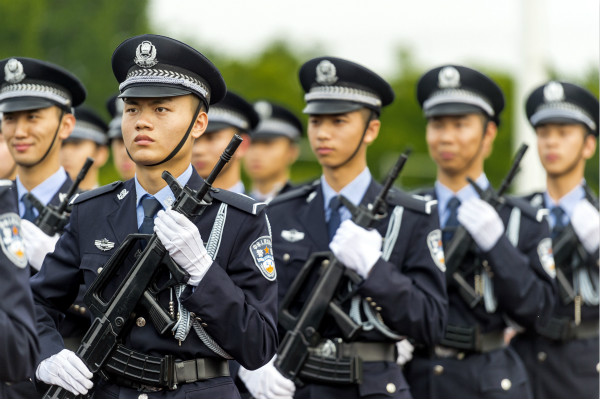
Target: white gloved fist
<point>66,370</point>
<point>182,239</point>
<point>405,352</point>
<point>37,243</point>
<point>586,223</point>
<point>267,383</point>
<point>357,248</point>
<point>482,222</point>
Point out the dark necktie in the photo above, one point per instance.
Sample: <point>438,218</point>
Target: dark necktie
<point>559,224</point>
<point>451,221</point>
<point>334,216</point>
<point>29,214</point>
<point>151,207</point>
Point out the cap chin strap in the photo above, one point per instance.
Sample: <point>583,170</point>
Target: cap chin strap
<point>181,142</point>
<point>359,142</point>
<point>62,113</point>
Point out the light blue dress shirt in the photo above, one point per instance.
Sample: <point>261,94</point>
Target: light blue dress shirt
<point>567,203</point>
<point>44,191</point>
<point>444,194</point>
<point>353,191</point>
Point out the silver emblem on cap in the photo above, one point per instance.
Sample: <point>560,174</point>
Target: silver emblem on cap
<point>263,109</point>
<point>145,55</point>
<point>449,78</point>
<point>326,73</point>
<point>554,92</point>
<point>13,71</point>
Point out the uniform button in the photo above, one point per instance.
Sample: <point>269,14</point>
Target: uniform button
<point>378,308</point>
<point>140,322</point>
<point>143,396</point>
<point>373,304</point>
<point>76,307</point>
<point>286,257</point>
<point>391,388</point>
<point>542,356</point>
<point>460,355</point>
<point>325,263</point>
<point>598,367</point>
<point>506,384</point>
<point>368,299</point>
<point>204,324</point>
<point>99,270</point>
<point>82,310</point>
<point>438,369</point>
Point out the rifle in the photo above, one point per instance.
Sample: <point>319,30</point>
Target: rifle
<point>51,219</point>
<point>462,242</point>
<point>302,329</point>
<point>114,314</point>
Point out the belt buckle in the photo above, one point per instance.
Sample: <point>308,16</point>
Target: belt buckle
<point>445,352</point>
<point>326,348</point>
<point>149,388</point>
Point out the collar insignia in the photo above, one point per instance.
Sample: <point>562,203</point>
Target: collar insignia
<point>122,194</point>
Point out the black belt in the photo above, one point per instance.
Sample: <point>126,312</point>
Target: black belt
<point>338,362</point>
<point>138,370</point>
<point>565,330</point>
<point>471,339</point>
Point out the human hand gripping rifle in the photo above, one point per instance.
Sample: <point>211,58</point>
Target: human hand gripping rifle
<point>302,329</point>
<point>114,314</point>
<point>51,219</point>
<point>461,242</point>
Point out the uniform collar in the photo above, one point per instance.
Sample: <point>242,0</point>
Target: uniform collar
<point>354,191</point>
<point>165,196</point>
<point>443,193</point>
<point>567,201</point>
<point>47,189</point>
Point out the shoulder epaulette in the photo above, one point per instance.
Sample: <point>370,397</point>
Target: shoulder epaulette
<point>239,201</point>
<point>526,208</point>
<point>412,202</point>
<point>295,193</point>
<point>78,198</point>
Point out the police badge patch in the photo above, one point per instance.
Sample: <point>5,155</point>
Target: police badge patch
<point>544,251</point>
<point>262,253</point>
<point>434,243</point>
<point>11,240</point>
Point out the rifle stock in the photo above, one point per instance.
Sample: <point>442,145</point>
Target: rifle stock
<point>114,314</point>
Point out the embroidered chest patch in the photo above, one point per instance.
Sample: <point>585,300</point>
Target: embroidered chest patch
<point>434,243</point>
<point>544,251</point>
<point>262,253</point>
<point>11,240</point>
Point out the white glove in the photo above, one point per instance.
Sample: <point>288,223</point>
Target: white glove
<point>37,243</point>
<point>357,248</point>
<point>405,352</point>
<point>182,239</point>
<point>586,223</point>
<point>66,370</point>
<point>482,222</point>
<point>267,383</point>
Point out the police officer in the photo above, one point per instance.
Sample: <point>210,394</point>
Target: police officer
<point>232,115</point>
<point>562,357</point>
<point>19,339</point>
<point>402,292</point>
<point>37,101</point>
<point>509,269</point>
<point>273,150</point>
<point>123,164</point>
<point>167,87</point>
<point>88,139</point>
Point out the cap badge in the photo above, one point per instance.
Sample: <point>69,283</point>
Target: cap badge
<point>263,109</point>
<point>449,78</point>
<point>145,55</point>
<point>326,73</point>
<point>13,71</point>
<point>554,92</point>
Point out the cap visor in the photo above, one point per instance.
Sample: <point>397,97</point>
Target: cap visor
<point>25,104</point>
<point>216,126</point>
<point>331,107</point>
<point>452,109</point>
<point>153,91</point>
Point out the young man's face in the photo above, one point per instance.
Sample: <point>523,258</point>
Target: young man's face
<point>153,127</point>
<point>74,153</point>
<point>457,142</point>
<point>29,134</point>
<point>561,147</point>
<point>123,164</point>
<point>267,158</point>
<point>208,149</point>
<point>334,138</point>
<point>7,165</point>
